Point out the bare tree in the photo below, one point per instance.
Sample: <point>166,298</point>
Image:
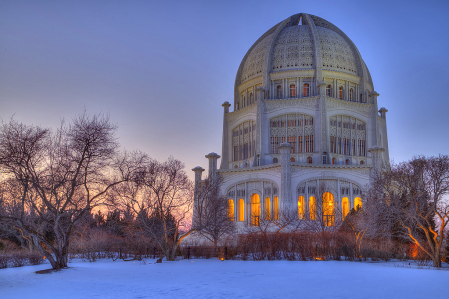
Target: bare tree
<point>50,180</point>
<point>161,200</point>
<point>415,193</point>
<point>214,216</point>
<point>357,222</point>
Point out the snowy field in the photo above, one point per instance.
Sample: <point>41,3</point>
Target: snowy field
<point>229,279</point>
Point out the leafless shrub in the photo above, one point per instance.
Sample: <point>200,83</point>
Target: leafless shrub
<point>423,263</point>
<point>35,258</point>
<point>18,259</point>
<point>4,260</point>
<point>201,251</point>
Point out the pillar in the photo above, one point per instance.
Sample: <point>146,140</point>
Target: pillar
<point>376,154</point>
<point>259,153</point>
<point>383,114</point>
<point>225,146</point>
<point>286,174</point>
<point>198,173</point>
<point>322,122</point>
<point>374,125</point>
<point>213,157</point>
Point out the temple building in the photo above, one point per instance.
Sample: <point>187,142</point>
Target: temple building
<point>305,125</point>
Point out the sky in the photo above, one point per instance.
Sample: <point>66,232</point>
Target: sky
<point>162,69</point>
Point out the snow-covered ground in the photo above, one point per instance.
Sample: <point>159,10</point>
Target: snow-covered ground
<point>229,279</point>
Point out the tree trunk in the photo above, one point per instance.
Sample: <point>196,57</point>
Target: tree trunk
<point>437,258</point>
<point>172,253</point>
<point>58,259</point>
<point>61,261</point>
<point>437,262</point>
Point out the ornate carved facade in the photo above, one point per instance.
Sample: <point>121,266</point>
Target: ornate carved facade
<point>305,127</point>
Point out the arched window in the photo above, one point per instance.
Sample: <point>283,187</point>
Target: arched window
<point>292,90</point>
<point>309,160</point>
<point>347,162</point>
<point>255,209</point>
<point>292,159</point>
<point>312,207</point>
<point>275,160</point>
<point>267,209</point>
<point>333,160</point>
<point>276,208</point>
<point>301,207</point>
<point>231,210</point>
<point>305,90</point>
<point>351,93</point>
<point>357,203</point>
<point>328,209</point>
<point>244,102</point>
<point>361,98</point>
<point>251,98</point>
<point>328,90</point>
<point>340,92</point>
<point>279,92</point>
<point>345,206</point>
<point>241,210</point>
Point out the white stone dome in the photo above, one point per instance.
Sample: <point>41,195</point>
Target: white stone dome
<point>301,42</point>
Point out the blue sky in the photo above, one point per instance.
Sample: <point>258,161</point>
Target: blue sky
<point>162,69</point>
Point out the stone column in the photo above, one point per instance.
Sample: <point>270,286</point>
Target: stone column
<point>374,125</point>
<point>322,125</point>
<point>297,88</point>
<point>346,90</point>
<point>286,174</point>
<point>212,164</point>
<point>383,114</point>
<point>225,145</point>
<point>307,203</point>
<point>376,154</point>
<point>284,87</point>
<point>236,204</point>
<point>248,204</point>
<point>259,153</point>
<point>351,197</point>
<point>303,147</point>
<point>336,94</point>
<point>339,197</point>
<point>198,173</point>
